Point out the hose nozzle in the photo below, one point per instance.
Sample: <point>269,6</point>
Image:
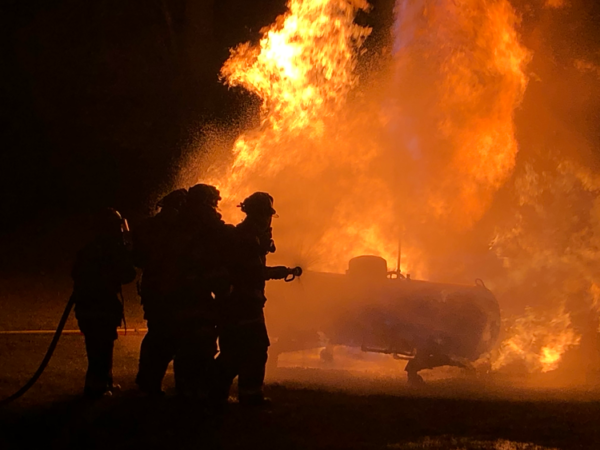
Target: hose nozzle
<point>293,273</point>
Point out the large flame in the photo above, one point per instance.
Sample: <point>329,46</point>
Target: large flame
<point>551,247</point>
<point>416,152</point>
<point>537,341</point>
<point>305,153</point>
<point>352,163</point>
<point>460,78</point>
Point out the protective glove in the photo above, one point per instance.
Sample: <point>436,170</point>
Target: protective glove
<point>277,272</point>
<point>293,273</point>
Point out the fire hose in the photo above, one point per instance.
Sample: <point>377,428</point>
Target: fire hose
<point>54,343</point>
<point>46,360</point>
<point>292,274</point>
<point>57,333</point>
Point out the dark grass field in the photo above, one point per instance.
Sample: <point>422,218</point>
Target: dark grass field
<point>317,408</point>
<point>313,409</point>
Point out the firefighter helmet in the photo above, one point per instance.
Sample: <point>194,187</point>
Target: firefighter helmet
<point>173,200</point>
<point>109,221</point>
<point>259,203</point>
<point>204,194</point>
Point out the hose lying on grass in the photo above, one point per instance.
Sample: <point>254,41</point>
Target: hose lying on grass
<point>46,360</point>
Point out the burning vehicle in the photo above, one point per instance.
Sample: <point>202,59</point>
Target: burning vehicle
<point>430,324</point>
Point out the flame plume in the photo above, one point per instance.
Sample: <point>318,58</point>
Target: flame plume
<point>302,69</point>
<point>420,149</point>
<point>552,241</point>
<point>307,151</point>
<point>459,79</point>
<point>340,159</point>
<point>538,341</point>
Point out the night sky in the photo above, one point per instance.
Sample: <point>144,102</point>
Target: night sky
<point>98,100</point>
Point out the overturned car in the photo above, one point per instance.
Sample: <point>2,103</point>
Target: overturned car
<point>429,324</point>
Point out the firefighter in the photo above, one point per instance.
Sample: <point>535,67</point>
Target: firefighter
<point>243,337</point>
<point>178,297</point>
<point>151,243</point>
<point>100,269</point>
<point>203,239</point>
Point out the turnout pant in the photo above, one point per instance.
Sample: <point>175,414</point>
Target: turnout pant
<point>192,347</point>
<point>156,352</point>
<point>194,363</point>
<point>99,343</point>
<point>243,352</point>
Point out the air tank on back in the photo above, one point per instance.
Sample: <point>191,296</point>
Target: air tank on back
<point>381,311</point>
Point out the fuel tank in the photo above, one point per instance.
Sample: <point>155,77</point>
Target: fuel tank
<point>378,311</point>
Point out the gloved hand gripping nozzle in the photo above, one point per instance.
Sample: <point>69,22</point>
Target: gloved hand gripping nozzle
<point>293,273</point>
<point>283,273</point>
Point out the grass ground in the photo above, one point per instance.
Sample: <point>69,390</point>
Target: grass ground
<point>313,409</point>
<point>326,407</point>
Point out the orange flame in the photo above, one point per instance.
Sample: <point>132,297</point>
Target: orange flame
<point>302,69</point>
<point>419,151</point>
<point>326,155</point>
<point>554,243</point>
<point>461,75</point>
<point>538,341</point>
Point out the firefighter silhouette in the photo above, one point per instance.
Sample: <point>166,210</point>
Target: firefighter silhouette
<point>100,269</point>
<point>151,241</point>
<point>178,294</point>
<point>243,337</point>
